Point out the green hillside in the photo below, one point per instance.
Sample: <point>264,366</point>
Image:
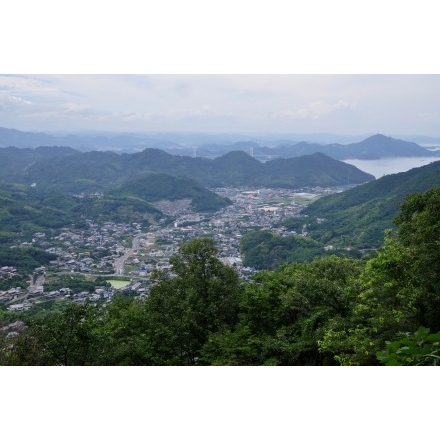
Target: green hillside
<point>159,186</point>
<point>267,250</point>
<point>342,224</point>
<point>316,170</point>
<point>25,210</point>
<point>359,216</point>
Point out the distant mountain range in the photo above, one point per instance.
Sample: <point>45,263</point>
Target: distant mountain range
<point>15,138</point>
<point>76,172</point>
<point>373,147</point>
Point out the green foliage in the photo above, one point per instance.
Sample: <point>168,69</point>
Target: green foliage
<point>126,334</point>
<point>19,280</point>
<point>384,307</point>
<point>201,299</point>
<point>419,232</point>
<point>267,250</point>
<point>400,287</point>
<point>419,348</point>
<point>283,315</point>
<point>78,283</point>
<point>66,338</point>
<point>24,258</point>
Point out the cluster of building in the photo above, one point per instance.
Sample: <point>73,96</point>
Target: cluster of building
<point>251,209</point>
<point>92,250</point>
<point>125,249</point>
<point>9,295</point>
<point>7,271</point>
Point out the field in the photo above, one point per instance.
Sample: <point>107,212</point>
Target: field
<point>118,284</point>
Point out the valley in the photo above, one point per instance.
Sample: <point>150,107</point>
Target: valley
<point>99,216</point>
<point>157,259</point>
<point>131,253</point>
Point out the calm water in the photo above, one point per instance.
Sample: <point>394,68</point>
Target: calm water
<point>390,165</point>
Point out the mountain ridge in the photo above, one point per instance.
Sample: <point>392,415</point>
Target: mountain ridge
<point>101,170</point>
<point>282,148</point>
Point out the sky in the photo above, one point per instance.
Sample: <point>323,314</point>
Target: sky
<point>342,67</point>
<point>346,104</point>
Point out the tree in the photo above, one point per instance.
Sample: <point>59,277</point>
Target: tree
<point>419,232</point>
<point>419,348</point>
<point>124,333</point>
<point>201,299</point>
<point>65,338</point>
<point>400,288</point>
<point>283,314</point>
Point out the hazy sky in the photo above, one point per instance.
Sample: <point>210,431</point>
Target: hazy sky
<point>237,52</point>
<point>341,104</point>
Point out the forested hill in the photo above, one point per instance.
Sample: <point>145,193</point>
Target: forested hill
<point>15,161</point>
<point>25,210</point>
<point>97,171</point>
<point>154,187</point>
<point>361,214</point>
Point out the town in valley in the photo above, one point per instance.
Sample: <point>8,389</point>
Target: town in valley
<point>127,254</point>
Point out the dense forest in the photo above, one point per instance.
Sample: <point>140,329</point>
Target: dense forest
<point>335,310</point>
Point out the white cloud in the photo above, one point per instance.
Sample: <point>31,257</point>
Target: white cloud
<point>317,109</point>
<point>27,86</point>
<point>205,110</point>
<point>10,102</point>
<point>76,109</point>
<point>430,116</point>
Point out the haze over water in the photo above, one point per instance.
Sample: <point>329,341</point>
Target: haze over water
<point>390,165</point>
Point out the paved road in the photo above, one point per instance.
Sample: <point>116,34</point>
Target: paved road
<point>36,281</point>
<point>119,262</point>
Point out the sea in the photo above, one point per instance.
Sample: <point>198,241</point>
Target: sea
<point>390,165</point>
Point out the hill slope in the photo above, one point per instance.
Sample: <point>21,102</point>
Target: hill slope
<point>361,214</point>
<point>154,187</point>
<point>25,210</point>
<point>341,224</point>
